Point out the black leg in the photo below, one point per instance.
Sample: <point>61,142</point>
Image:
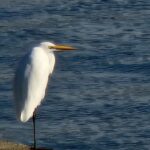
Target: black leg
<point>34,116</point>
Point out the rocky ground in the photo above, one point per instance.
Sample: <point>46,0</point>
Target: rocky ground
<point>5,145</point>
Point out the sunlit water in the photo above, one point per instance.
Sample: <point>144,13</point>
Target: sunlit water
<point>98,97</point>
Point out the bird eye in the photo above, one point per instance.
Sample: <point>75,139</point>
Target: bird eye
<point>50,47</point>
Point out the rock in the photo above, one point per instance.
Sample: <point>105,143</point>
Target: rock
<point>5,145</point>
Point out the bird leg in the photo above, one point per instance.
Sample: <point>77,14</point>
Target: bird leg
<point>34,116</point>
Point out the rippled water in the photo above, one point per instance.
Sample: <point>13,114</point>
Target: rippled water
<point>98,97</point>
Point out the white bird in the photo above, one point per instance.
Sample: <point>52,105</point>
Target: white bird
<point>31,79</point>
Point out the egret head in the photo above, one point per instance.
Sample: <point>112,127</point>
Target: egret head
<point>54,47</point>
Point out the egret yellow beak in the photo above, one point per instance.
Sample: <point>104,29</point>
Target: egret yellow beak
<point>62,47</point>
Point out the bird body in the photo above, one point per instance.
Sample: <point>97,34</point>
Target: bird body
<point>31,81</point>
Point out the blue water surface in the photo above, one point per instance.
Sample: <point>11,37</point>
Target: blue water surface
<point>99,96</point>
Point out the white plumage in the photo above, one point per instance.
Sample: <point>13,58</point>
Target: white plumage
<point>31,80</point>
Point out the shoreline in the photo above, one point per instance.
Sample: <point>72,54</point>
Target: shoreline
<point>6,145</point>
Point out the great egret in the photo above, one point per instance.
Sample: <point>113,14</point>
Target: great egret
<point>31,79</point>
